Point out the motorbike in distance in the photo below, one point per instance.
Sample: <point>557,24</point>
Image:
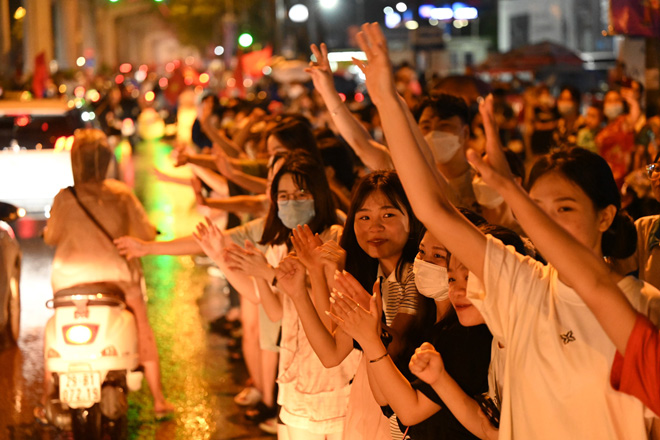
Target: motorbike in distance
<point>91,355</point>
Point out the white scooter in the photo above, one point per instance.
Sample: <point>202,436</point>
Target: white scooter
<point>91,353</point>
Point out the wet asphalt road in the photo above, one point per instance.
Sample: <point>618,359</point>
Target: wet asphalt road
<point>198,376</point>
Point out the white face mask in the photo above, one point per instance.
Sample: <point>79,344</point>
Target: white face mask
<point>431,280</point>
<point>611,111</point>
<point>485,195</point>
<point>295,212</point>
<point>443,145</point>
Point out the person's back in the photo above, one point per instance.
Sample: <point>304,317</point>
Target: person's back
<point>83,252</point>
<point>80,221</point>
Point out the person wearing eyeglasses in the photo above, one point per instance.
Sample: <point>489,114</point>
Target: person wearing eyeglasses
<point>646,260</point>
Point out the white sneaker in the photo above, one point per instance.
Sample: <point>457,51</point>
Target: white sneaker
<point>248,397</point>
<point>269,425</point>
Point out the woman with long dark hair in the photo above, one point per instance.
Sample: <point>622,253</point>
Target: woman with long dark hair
<point>313,399</point>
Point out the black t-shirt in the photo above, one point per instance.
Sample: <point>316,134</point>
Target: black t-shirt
<point>466,355</point>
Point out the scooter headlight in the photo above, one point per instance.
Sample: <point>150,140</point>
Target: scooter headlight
<point>80,334</point>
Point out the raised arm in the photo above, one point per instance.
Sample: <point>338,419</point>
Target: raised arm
<point>305,244</point>
<point>229,147</point>
<point>132,247</point>
<point>390,387</point>
<point>251,262</point>
<point>426,189</point>
<point>211,239</point>
<point>331,349</point>
<point>370,152</point>
<point>230,168</point>
<point>583,270</point>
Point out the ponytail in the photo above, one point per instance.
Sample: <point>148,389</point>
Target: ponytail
<point>620,240</point>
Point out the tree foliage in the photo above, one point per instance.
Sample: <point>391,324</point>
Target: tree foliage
<point>200,22</point>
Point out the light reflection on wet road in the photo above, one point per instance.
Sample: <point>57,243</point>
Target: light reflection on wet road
<point>197,374</point>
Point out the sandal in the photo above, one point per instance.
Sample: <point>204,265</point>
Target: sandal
<point>248,397</point>
<point>261,412</point>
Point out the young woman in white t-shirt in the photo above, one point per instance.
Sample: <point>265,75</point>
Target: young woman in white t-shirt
<point>556,376</point>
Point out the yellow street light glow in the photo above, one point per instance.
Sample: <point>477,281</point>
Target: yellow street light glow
<point>80,61</point>
<point>299,13</point>
<point>20,13</point>
<point>412,25</point>
<point>328,4</point>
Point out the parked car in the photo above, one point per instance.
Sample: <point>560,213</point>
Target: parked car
<point>35,139</point>
<point>10,276</point>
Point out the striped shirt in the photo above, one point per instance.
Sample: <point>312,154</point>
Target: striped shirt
<point>399,297</point>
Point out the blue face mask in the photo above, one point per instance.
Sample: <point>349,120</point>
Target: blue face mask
<point>295,212</point>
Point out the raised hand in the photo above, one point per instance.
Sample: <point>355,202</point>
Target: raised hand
<point>427,363</point>
<point>180,154</point>
<point>196,184</point>
<point>493,167</point>
<point>211,239</point>
<point>320,71</point>
<point>378,69</point>
<point>305,243</point>
<point>249,260</point>
<point>349,286</point>
<point>291,277</point>
<point>357,321</point>
<point>332,257</point>
<point>131,247</point>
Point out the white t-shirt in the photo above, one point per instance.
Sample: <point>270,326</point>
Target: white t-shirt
<point>557,357</point>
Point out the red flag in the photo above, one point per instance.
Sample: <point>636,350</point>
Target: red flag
<point>255,61</point>
<point>238,73</point>
<point>638,18</point>
<point>175,86</point>
<point>40,75</point>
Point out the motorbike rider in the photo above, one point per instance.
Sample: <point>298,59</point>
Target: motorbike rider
<point>84,254</point>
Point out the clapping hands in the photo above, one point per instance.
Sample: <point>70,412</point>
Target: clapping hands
<point>355,311</point>
<point>210,238</point>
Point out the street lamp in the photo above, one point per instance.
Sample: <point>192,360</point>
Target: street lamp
<point>298,13</point>
<point>328,4</point>
<point>245,40</point>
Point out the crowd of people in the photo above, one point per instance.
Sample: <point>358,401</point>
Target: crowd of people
<point>434,268</point>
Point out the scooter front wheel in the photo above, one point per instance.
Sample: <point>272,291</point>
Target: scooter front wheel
<point>86,423</point>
